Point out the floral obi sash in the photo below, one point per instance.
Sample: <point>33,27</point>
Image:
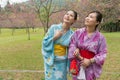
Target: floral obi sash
<point>59,50</point>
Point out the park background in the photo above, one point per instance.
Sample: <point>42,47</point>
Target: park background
<point>23,25</point>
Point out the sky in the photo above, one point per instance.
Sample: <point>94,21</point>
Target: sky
<point>4,2</point>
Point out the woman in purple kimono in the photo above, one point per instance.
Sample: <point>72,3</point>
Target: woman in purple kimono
<point>86,42</point>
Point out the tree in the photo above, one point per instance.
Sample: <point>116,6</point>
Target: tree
<point>109,8</point>
<point>28,16</point>
<point>0,18</point>
<point>9,9</point>
<point>45,8</point>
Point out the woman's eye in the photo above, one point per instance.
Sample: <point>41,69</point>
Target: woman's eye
<point>67,14</point>
<point>71,15</point>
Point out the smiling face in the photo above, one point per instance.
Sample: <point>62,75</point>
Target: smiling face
<point>91,20</point>
<point>69,17</point>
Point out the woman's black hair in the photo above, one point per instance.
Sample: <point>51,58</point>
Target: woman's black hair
<point>75,14</point>
<point>98,17</point>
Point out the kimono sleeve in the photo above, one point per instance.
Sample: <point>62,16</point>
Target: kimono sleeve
<point>72,45</point>
<point>47,44</point>
<point>102,50</point>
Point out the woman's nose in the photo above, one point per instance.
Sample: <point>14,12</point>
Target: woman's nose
<point>87,18</point>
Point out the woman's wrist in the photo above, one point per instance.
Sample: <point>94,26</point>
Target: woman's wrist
<point>81,58</point>
<point>92,60</point>
<point>55,38</point>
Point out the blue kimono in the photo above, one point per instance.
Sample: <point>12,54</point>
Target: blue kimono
<point>55,64</point>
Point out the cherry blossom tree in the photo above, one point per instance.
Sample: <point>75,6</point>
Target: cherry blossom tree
<point>45,8</point>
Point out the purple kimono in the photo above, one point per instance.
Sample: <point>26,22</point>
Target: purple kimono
<point>96,43</point>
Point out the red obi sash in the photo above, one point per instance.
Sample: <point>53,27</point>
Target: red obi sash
<point>87,54</point>
<point>73,64</point>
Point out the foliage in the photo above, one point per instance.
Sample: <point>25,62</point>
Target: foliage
<point>110,27</point>
<point>109,8</point>
<point>46,8</point>
<point>39,13</point>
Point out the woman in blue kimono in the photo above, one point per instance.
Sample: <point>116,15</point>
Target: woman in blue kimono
<point>54,47</point>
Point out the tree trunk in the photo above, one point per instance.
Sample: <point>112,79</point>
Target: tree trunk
<point>33,29</point>
<point>28,32</point>
<point>0,31</point>
<point>13,30</point>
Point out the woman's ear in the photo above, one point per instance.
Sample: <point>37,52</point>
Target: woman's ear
<point>97,23</point>
<point>75,21</point>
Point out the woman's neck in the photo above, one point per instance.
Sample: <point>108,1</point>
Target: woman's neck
<point>90,29</point>
<point>65,26</point>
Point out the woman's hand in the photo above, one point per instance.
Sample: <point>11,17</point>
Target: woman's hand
<point>58,34</point>
<point>85,62</point>
<point>76,52</point>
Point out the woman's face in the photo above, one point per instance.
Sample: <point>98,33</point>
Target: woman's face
<point>69,17</point>
<point>90,20</point>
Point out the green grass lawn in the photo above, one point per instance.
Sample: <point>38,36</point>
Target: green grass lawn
<point>18,53</point>
<point>111,68</point>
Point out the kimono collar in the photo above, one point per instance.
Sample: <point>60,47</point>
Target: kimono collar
<point>95,33</point>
